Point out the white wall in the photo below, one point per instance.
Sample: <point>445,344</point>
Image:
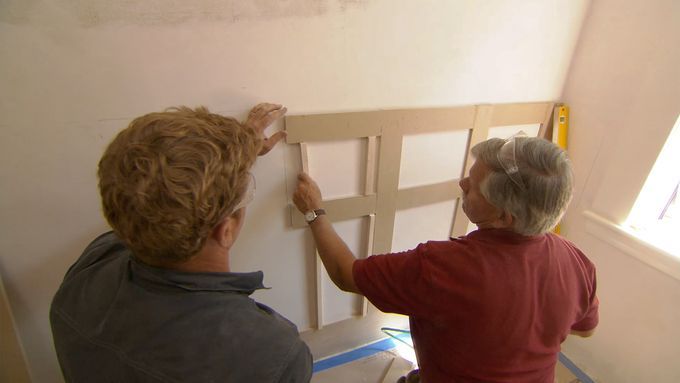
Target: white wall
<point>73,73</point>
<point>624,92</point>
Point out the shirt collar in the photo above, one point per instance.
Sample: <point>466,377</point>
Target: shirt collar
<point>505,234</point>
<point>226,282</point>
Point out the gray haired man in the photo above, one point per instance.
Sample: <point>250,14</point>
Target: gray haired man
<point>493,305</point>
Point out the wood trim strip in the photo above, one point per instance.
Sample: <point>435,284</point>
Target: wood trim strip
<point>369,252</point>
<point>479,133</point>
<point>344,126</point>
<point>546,129</point>
<point>332,127</point>
<point>419,121</point>
<point>341,209</point>
<point>519,114</point>
<point>428,194</point>
<point>319,269</point>
<point>369,189</point>
<point>387,185</point>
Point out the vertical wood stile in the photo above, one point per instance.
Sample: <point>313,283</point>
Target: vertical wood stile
<point>304,156</point>
<point>387,188</point>
<point>369,188</point>
<point>479,133</point>
<point>546,129</point>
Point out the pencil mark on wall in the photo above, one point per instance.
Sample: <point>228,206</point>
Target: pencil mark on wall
<point>267,9</point>
<point>345,4</point>
<point>92,13</point>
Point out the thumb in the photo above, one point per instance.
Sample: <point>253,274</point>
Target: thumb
<point>270,142</point>
<point>278,136</point>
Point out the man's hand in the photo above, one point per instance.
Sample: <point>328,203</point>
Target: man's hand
<point>260,117</point>
<point>307,196</point>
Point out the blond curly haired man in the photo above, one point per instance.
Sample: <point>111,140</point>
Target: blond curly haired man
<point>155,300</point>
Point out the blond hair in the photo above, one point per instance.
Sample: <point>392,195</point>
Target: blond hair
<point>169,178</point>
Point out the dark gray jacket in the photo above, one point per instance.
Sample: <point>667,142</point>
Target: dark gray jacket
<point>115,319</point>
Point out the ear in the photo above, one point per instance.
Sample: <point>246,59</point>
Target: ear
<point>224,232</point>
<point>506,219</point>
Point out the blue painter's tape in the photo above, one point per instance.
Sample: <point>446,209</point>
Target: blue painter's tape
<point>388,344</point>
<point>574,369</point>
<point>350,356</point>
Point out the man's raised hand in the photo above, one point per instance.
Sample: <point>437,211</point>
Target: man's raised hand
<point>260,117</point>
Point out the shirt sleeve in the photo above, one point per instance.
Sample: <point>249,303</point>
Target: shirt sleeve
<point>591,317</point>
<point>395,283</point>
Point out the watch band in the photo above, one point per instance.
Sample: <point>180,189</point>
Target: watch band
<point>312,215</point>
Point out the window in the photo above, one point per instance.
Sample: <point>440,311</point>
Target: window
<point>655,217</point>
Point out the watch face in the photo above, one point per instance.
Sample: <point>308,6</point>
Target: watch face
<point>309,216</point>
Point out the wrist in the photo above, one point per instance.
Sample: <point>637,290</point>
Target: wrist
<point>313,214</point>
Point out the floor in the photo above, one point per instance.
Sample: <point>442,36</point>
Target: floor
<point>386,360</point>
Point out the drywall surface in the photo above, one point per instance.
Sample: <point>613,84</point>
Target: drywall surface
<point>73,73</point>
<point>624,91</point>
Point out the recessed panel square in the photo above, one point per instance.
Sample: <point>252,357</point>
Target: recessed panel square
<point>337,304</point>
<point>339,167</point>
<point>432,158</point>
<point>422,224</point>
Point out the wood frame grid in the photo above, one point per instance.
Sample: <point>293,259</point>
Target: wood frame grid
<point>382,197</point>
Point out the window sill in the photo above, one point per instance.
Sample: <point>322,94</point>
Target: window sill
<point>628,242</point>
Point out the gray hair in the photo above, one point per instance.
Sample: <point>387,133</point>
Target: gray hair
<point>538,202</point>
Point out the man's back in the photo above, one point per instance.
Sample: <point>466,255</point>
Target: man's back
<point>120,320</point>
<point>493,306</point>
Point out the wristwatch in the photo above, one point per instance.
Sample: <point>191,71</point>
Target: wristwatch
<point>312,215</point>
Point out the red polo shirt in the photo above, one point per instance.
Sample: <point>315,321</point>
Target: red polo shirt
<point>493,306</point>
